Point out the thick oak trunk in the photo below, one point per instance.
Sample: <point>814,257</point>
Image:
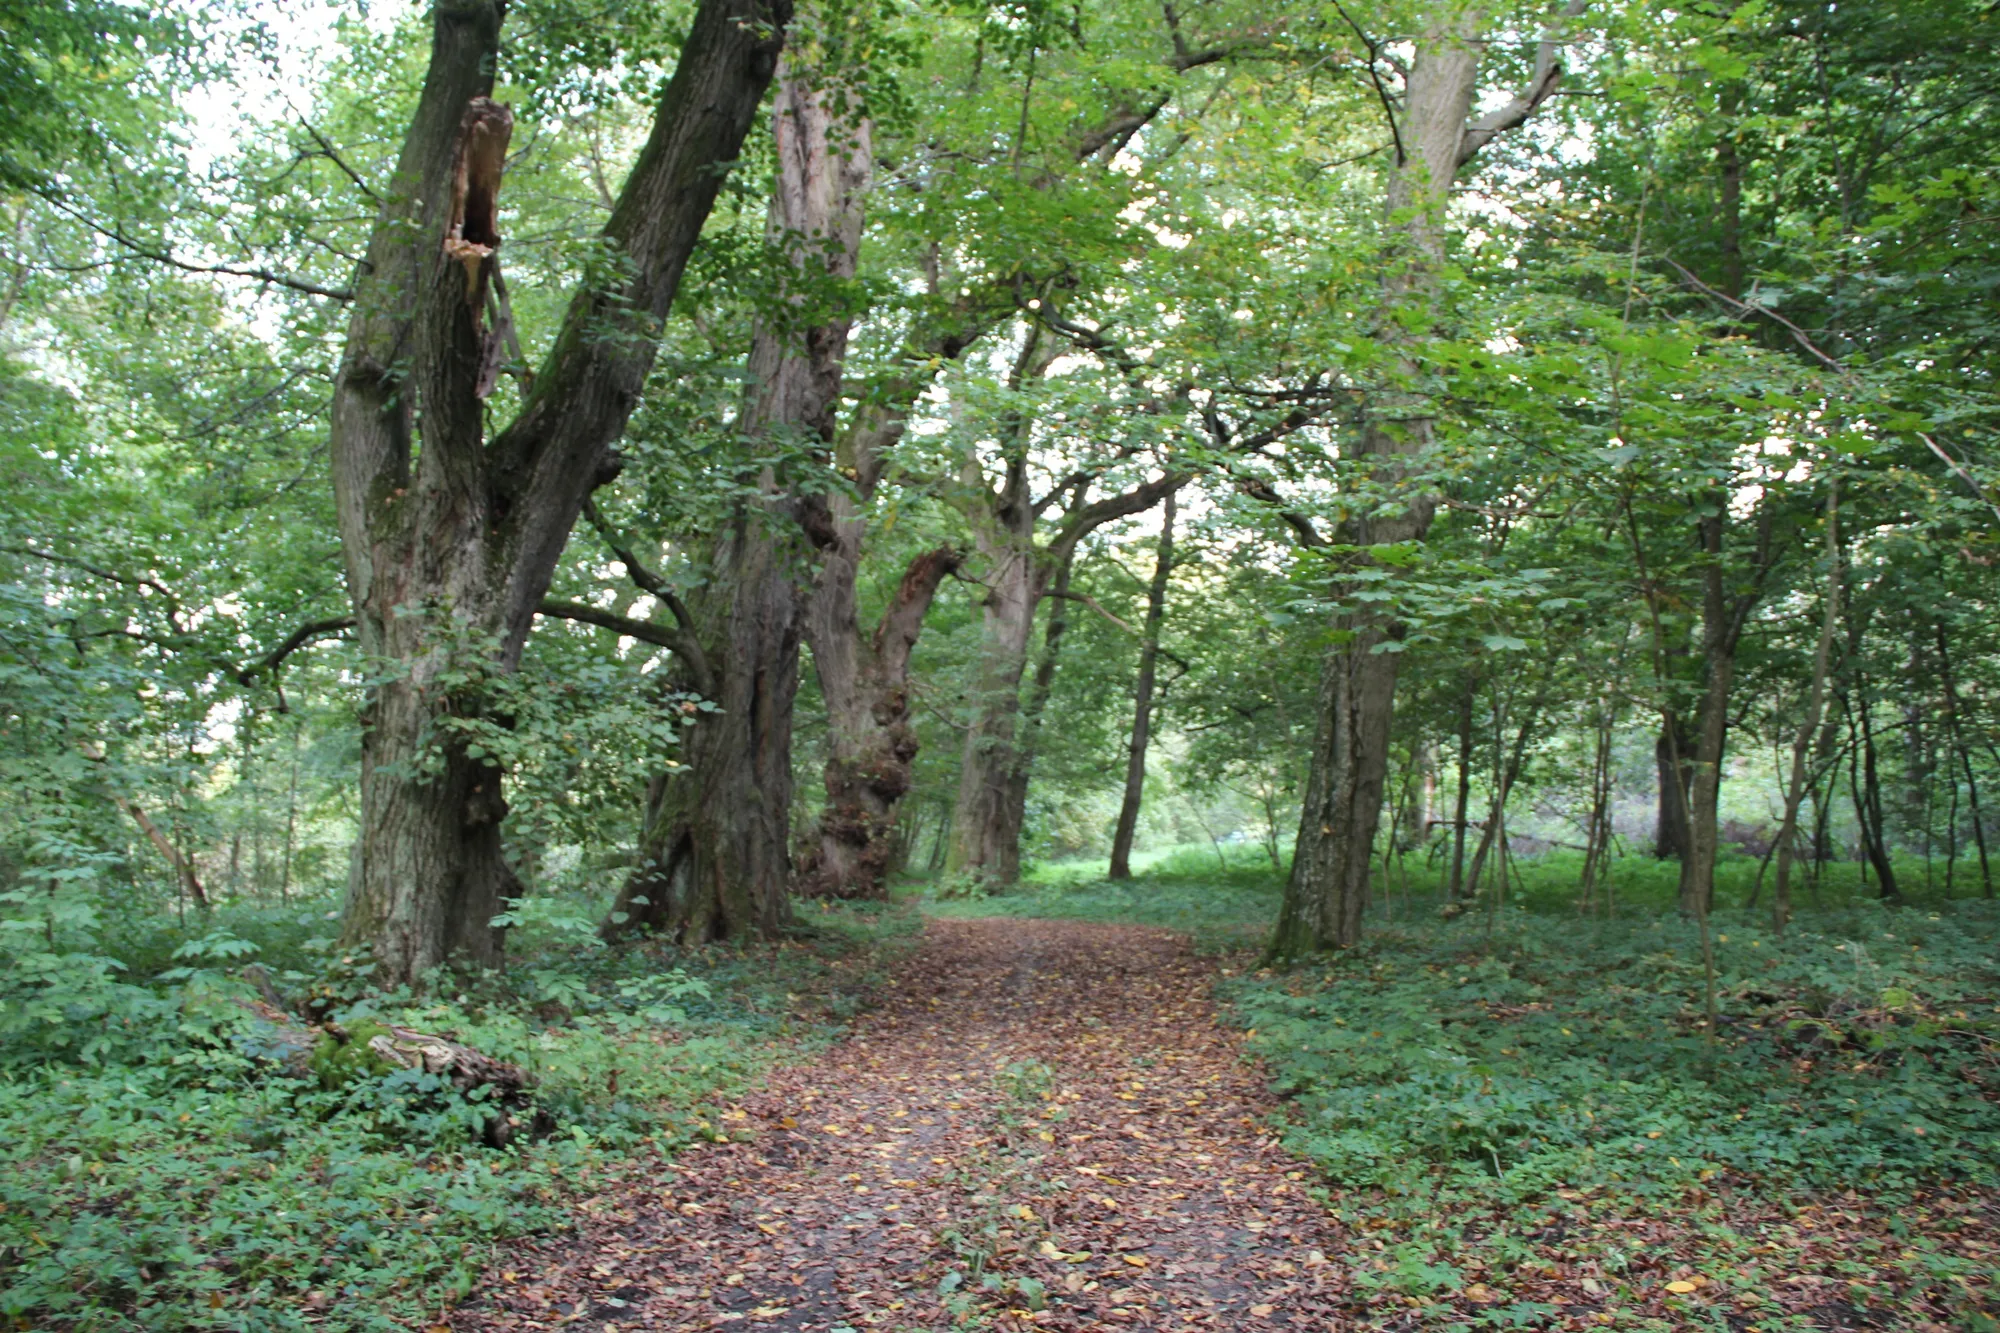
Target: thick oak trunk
<point>449,547</point>
<point>1142,702</point>
<point>715,857</point>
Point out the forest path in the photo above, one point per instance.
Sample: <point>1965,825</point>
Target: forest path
<point>1041,1100</point>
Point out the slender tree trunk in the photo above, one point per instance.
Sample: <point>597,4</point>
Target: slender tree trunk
<point>186,881</point>
<point>1672,752</point>
<point>1463,806</point>
<point>449,548</point>
<point>1874,829</point>
<point>1142,701</point>
<point>1723,619</point>
<point>1507,771</point>
<point>1597,843</point>
<point>1795,787</point>
<point>1964,757</point>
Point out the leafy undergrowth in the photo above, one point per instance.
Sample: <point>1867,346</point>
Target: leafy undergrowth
<point>1533,1123</point>
<point>157,1171</point>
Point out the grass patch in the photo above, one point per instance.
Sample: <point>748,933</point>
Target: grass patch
<point>1226,905</point>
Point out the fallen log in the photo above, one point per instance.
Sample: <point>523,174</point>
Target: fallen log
<point>337,1054</point>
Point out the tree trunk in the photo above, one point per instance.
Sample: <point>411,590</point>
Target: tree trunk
<point>716,854</point>
<point>986,821</point>
<point>1964,756</point>
<point>1508,772</point>
<point>1328,887</point>
<point>1597,836</point>
<point>1723,618</point>
<point>1795,786</point>
<point>1463,805</point>
<point>1672,751</point>
<point>1142,701</point>
<point>449,547</point>
<point>1034,709</point>
<point>1874,829</point>
<point>871,744</point>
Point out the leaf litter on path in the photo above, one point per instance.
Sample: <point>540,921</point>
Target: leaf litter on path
<point>1041,1126</point>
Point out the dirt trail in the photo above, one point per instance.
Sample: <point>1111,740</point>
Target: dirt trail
<point>1047,1110</point>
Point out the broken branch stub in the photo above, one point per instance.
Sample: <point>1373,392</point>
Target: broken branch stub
<point>474,232</point>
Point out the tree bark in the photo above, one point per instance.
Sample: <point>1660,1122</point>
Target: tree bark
<point>1795,786</point>
<point>1671,751</point>
<point>1142,701</point>
<point>1964,755</point>
<point>986,820</point>
<point>1328,887</point>
<point>450,548</point>
<point>1723,618</point>
<point>871,744</point>
<point>1461,807</point>
<point>1034,710</point>
<point>1507,774</point>
<point>715,857</point>
<point>1874,829</point>
<point>864,678</point>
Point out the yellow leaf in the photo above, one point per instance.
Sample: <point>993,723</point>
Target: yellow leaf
<point>1680,1288</point>
<point>1136,1260</point>
<point>1262,1311</point>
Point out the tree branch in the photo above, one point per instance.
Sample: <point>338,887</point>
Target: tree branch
<point>646,631</point>
<point>304,634</point>
<point>118,236</point>
<point>689,645</point>
<point>1542,83</point>
<point>1070,595</point>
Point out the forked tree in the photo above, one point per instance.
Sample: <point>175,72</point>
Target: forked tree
<point>451,531</point>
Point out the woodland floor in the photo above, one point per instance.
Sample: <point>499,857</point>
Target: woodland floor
<point>1040,1100</point>
<point>1042,1124</point>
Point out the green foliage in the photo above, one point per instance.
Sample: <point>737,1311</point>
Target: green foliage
<point>1454,1066</point>
<point>161,1169</point>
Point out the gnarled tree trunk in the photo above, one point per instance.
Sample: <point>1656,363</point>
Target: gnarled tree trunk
<point>871,744</point>
<point>449,548</point>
